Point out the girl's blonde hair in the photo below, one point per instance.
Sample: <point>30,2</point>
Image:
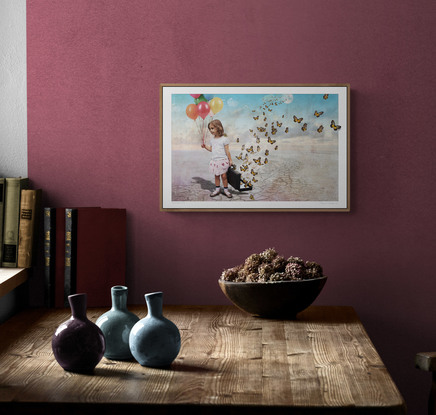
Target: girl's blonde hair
<point>217,124</point>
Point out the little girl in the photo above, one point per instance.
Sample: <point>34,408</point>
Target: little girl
<point>221,158</point>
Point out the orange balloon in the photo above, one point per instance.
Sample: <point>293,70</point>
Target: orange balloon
<point>191,111</point>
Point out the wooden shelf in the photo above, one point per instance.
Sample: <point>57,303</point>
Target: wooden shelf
<point>11,278</point>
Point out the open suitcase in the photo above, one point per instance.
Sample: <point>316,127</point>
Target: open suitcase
<point>235,180</point>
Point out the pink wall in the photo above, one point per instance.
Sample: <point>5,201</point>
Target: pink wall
<point>94,69</point>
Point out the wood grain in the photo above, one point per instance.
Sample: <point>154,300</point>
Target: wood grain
<point>229,362</point>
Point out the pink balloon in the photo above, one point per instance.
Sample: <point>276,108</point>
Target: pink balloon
<point>203,109</point>
<point>195,96</point>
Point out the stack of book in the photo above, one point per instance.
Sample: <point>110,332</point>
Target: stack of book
<point>84,252</point>
<point>20,209</point>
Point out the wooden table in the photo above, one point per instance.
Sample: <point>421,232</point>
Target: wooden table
<point>229,363</point>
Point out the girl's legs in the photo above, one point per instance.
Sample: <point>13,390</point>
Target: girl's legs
<point>217,190</point>
<point>224,179</point>
<point>226,185</point>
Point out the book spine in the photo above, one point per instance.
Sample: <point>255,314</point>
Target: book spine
<point>29,219</point>
<point>2,205</point>
<point>70,253</point>
<point>49,255</point>
<point>12,219</point>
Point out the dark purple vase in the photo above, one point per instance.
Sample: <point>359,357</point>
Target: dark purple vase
<point>78,344</point>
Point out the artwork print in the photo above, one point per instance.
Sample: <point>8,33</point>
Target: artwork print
<point>287,147</point>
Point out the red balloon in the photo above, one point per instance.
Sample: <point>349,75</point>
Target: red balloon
<point>195,95</point>
<point>191,111</point>
<point>203,109</point>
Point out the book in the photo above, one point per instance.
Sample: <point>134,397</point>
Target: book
<point>2,198</point>
<point>99,262</point>
<point>30,206</point>
<point>70,253</point>
<point>49,255</point>
<point>59,262</point>
<point>11,221</point>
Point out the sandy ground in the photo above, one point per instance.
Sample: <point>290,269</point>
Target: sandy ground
<point>291,174</point>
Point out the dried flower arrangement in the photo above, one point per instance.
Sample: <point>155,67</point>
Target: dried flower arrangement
<point>269,266</point>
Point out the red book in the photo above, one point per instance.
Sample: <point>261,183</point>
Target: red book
<point>100,253</point>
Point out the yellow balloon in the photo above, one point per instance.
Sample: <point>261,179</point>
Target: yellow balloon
<point>216,104</point>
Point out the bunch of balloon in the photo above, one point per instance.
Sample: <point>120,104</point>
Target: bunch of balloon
<point>202,111</point>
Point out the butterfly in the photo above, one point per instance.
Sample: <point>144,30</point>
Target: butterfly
<point>317,114</point>
<point>255,180</point>
<point>256,118</point>
<point>251,197</point>
<point>239,157</point>
<point>257,140</point>
<point>276,147</point>
<point>266,161</point>
<point>320,128</point>
<point>243,168</point>
<point>253,172</point>
<point>334,126</point>
<point>304,127</point>
<point>243,147</point>
<point>326,96</point>
<point>271,141</point>
<point>251,131</point>
<point>250,150</point>
<point>265,119</point>
<point>287,130</point>
<point>279,124</point>
<point>257,161</point>
<point>266,152</point>
<point>298,119</point>
<point>237,139</point>
<point>261,129</point>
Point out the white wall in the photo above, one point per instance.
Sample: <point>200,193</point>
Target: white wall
<point>13,88</point>
<point>13,105</point>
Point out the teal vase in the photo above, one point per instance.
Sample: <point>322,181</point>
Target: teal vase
<point>155,341</point>
<point>116,325</point>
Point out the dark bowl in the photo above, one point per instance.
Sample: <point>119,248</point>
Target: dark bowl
<point>280,299</point>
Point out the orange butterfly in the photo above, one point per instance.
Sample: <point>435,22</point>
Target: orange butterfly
<point>334,126</point>
<point>298,119</point>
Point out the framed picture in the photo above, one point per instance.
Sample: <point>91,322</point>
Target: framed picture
<point>288,147</point>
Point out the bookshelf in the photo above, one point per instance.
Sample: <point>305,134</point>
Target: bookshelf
<point>11,278</point>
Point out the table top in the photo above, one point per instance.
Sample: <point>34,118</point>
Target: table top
<point>322,362</point>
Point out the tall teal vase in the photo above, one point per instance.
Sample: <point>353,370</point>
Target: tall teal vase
<point>116,325</point>
<point>155,341</point>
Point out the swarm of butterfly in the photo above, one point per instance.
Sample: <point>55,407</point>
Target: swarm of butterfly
<point>253,156</point>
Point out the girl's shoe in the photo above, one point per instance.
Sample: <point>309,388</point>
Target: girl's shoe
<point>216,192</point>
<point>227,193</point>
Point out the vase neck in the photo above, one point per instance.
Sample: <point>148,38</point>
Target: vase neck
<point>119,297</point>
<point>154,304</point>
<point>78,305</point>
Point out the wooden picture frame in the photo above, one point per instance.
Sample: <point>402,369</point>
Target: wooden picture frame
<point>290,143</point>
